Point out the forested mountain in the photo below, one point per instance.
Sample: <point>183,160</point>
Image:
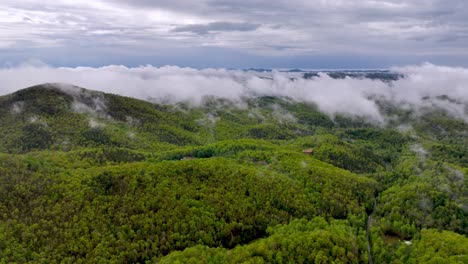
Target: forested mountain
<point>91,177</point>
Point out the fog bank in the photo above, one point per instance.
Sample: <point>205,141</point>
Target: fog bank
<point>170,84</point>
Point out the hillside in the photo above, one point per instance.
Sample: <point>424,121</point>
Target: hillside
<point>92,177</point>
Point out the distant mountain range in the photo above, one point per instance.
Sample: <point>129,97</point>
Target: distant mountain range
<point>383,75</point>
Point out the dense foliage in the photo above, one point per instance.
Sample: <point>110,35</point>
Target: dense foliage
<point>88,177</point>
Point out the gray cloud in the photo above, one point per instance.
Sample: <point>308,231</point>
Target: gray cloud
<point>395,28</point>
<point>216,27</point>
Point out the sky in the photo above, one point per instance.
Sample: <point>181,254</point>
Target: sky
<point>332,34</point>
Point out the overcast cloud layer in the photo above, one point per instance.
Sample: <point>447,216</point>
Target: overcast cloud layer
<point>172,84</point>
<point>242,33</point>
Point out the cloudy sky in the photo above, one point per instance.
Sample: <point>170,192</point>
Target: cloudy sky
<point>235,33</point>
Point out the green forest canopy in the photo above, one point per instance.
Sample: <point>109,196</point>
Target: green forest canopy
<point>125,180</point>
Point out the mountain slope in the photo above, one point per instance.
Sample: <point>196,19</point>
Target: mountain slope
<point>87,176</point>
<point>65,117</point>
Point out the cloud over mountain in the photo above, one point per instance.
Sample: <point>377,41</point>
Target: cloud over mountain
<point>420,88</point>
